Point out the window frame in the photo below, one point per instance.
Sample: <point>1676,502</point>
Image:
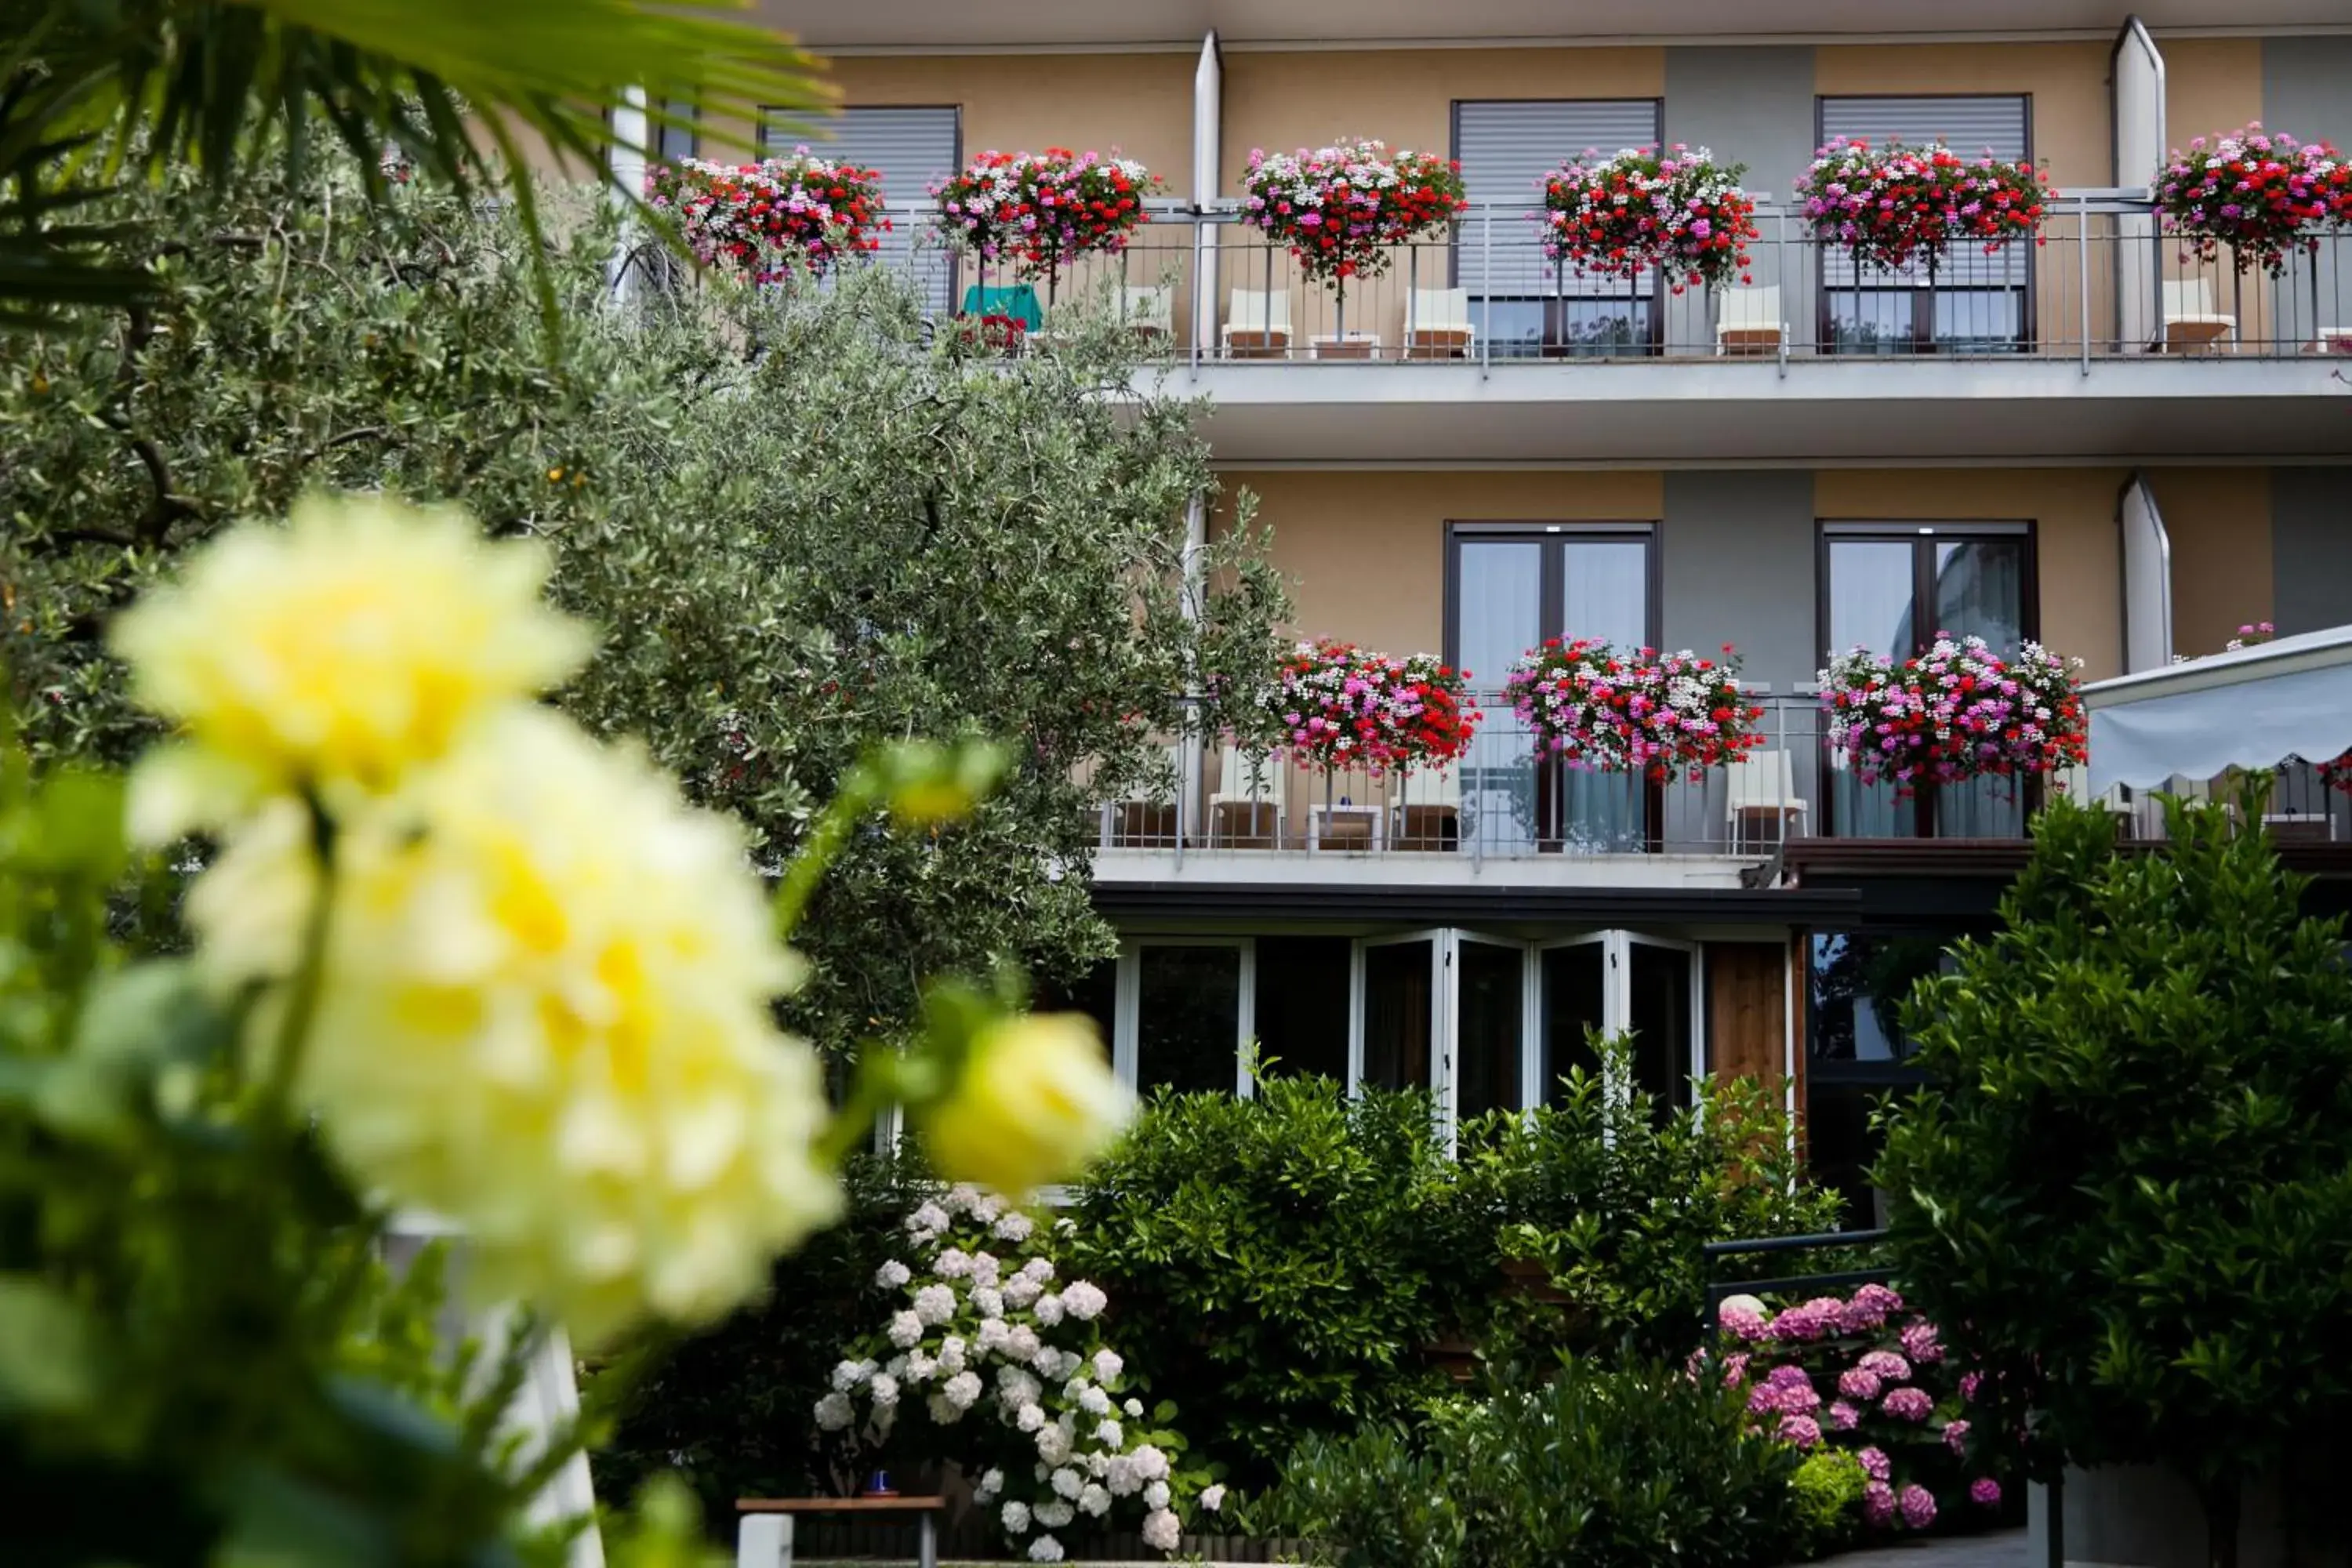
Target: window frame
<point>1126,1004</point>
<point>1922,535</point>
<point>1551,344</point>
<point>1922,338</point>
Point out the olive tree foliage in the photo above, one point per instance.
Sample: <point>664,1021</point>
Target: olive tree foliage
<point>809,520</point>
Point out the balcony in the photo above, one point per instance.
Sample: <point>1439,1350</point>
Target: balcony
<point>1502,818</point>
<point>2103,342</point>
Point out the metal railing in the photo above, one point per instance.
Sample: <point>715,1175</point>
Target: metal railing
<point>2105,284</point>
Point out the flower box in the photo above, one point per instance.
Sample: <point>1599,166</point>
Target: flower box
<point>1341,707</point>
<point>1341,209</point>
<point>1042,211</point>
<point>1959,711</point>
<point>1600,709</point>
<point>1679,213</point>
<point>1889,206</point>
<point>2259,193</point>
<point>760,220</point>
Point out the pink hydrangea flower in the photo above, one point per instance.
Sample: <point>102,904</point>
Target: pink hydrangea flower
<point>1874,1464</point>
<point>1919,1506</point>
<point>1885,1364</point>
<point>1878,1504</point>
<point>1909,1405</point>
<point>1869,1309</point>
<point>1955,1437</point>
<point>1843,1417</point>
<point>1920,1343</point>
<point>1969,1383</point>
<point>1802,1430</point>
<point>1985,1492</point>
<point>1855,1383</point>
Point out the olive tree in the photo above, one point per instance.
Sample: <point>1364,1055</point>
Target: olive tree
<point>809,520</point>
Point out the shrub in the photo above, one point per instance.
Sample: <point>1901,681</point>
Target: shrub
<point>2124,1193</point>
<point>1280,1251</point>
<point>1828,1487</point>
<point>1638,1466</point>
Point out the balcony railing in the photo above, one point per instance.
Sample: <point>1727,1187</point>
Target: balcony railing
<point>1503,803</point>
<point>2105,284</point>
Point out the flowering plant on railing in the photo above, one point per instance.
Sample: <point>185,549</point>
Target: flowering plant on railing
<point>760,219</point>
<point>2257,193</point>
<point>1340,208</point>
<point>1341,707</point>
<point>1865,1376</point>
<point>1680,213</point>
<point>1041,211</point>
<point>1887,205</point>
<point>1641,711</point>
<point>1959,711</point>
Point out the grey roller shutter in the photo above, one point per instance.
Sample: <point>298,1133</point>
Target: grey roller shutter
<point>1506,149</point>
<point>1969,126</point>
<point>908,148</point>
<point>677,143</point>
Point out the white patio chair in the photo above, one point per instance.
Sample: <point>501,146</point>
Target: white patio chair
<point>1147,817</point>
<point>1437,324</point>
<point>1257,323</point>
<point>1429,811</point>
<point>1763,784</point>
<point>1251,800</point>
<point>1749,321</point>
<point>1150,310</point>
<point>2190,321</point>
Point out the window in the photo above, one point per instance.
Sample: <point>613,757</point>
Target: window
<point>1302,1006</point>
<point>1891,589</point>
<point>1182,1008</point>
<point>908,148</point>
<point>674,143</point>
<point>1857,1055</point>
<point>1528,306</point>
<point>1968,302</point>
<point>1510,586</point>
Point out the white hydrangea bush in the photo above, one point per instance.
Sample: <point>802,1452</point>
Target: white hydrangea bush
<point>1005,1361</point>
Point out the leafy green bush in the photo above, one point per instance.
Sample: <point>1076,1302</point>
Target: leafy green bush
<point>1638,1466</point>
<point>1616,1198</point>
<point>2128,1194</point>
<point>1279,1253</point>
<point>1828,1487</point>
<point>1297,1252</point>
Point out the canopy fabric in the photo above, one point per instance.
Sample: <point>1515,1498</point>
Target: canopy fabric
<point>2251,708</point>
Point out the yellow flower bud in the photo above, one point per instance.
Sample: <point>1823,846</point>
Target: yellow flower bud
<point>1035,1102</point>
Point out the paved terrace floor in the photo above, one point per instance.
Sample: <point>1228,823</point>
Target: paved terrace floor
<point>2003,1549</point>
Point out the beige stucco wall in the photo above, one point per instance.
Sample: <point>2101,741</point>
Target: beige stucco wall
<point>2210,85</point>
<point>2071,126</point>
<point>2219,520</point>
<point>1364,553</point>
<point>1280,100</point>
<point>1141,105</point>
<point>2074,513</point>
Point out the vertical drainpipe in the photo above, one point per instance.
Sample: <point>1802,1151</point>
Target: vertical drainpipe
<point>628,181</point>
<point>1208,180</point>
<point>1190,795</point>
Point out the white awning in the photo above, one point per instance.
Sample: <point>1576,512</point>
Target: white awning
<point>2251,708</point>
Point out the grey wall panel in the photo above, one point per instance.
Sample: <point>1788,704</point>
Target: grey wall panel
<point>2311,548</point>
<point>1751,106</point>
<point>1735,564</point>
<point>2307,94</point>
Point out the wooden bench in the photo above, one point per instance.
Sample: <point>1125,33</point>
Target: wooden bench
<point>764,1538</point>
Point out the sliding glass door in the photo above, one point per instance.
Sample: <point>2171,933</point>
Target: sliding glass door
<point>1893,589</point>
<point>1511,587</point>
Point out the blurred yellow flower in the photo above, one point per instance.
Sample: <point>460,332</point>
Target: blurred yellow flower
<point>545,1015</point>
<point>334,654</point>
<point>1036,1101</point>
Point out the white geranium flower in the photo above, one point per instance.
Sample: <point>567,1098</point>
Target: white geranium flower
<point>1093,1500</point>
<point>1045,1549</point>
<point>1162,1531</point>
<point>892,1275</point>
<point>1068,1482</point>
<point>1015,1517</point>
<point>906,1330</point>
<point>1108,1364</point>
<point>834,1411</point>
